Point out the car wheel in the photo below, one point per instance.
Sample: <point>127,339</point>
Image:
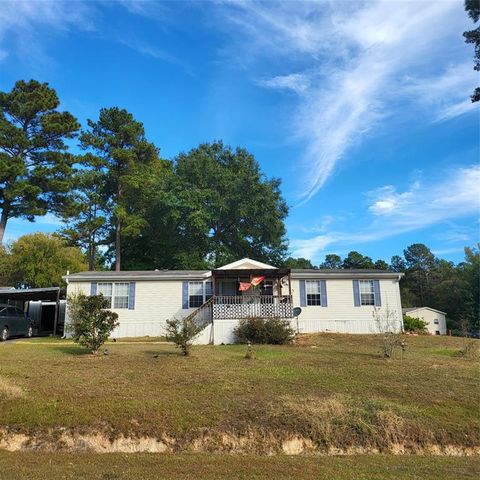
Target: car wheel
<point>4,334</point>
<point>29,333</point>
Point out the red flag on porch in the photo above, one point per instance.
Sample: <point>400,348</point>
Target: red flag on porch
<point>244,286</point>
<point>257,281</point>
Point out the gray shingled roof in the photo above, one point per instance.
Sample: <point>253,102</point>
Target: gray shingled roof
<point>199,274</point>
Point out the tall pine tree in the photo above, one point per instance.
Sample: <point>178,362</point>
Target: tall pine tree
<point>35,167</point>
<point>126,159</point>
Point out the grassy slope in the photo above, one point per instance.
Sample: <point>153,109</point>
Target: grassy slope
<point>39,466</point>
<point>339,392</point>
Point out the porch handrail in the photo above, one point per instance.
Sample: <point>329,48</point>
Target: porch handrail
<point>249,299</point>
<point>250,306</point>
<point>203,315</point>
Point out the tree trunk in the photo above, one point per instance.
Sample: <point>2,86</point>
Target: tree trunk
<point>3,224</point>
<point>117,232</point>
<point>117,246</point>
<point>91,254</point>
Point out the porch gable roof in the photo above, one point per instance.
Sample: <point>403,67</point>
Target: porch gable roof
<point>245,272</point>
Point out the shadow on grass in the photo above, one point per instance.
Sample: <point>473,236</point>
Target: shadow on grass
<point>73,350</point>
<point>162,353</point>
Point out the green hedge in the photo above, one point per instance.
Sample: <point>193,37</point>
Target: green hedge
<point>275,331</point>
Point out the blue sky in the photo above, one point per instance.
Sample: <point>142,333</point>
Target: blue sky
<point>362,109</point>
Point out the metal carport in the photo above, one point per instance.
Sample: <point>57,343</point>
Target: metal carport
<point>51,294</point>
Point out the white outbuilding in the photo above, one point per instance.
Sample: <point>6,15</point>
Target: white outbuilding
<point>436,319</point>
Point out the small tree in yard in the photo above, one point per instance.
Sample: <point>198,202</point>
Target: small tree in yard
<point>90,322</point>
<point>388,325</point>
<point>415,325</point>
<point>182,332</point>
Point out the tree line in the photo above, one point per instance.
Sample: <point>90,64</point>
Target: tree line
<point>121,202</point>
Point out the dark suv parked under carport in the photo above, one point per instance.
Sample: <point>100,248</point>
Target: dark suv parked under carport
<point>14,322</point>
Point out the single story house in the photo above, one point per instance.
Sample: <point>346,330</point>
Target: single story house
<point>331,300</point>
<point>436,319</point>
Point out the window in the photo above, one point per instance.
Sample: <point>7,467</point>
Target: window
<point>437,332</point>
<point>195,294</point>
<point>199,293</point>
<point>116,291</point>
<point>120,298</point>
<point>208,290</point>
<point>312,288</point>
<point>367,293</point>
<point>266,287</point>
<point>227,288</point>
<point>435,321</point>
<point>106,290</point>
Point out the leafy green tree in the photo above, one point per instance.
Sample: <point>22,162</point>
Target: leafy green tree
<point>158,245</point>
<point>381,265</point>
<point>90,322</point>
<point>357,260</point>
<point>473,36</point>
<point>86,215</point>
<point>35,168</point>
<point>397,264</point>
<point>470,273</point>
<point>332,261</point>
<point>420,263</point>
<point>40,260</point>
<point>118,140</point>
<point>227,209</point>
<point>301,263</point>
<point>4,270</point>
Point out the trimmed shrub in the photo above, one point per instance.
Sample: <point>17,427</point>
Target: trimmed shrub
<point>274,331</point>
<point>182,332</point>
<point>415,325</point>
<point>90,322</point>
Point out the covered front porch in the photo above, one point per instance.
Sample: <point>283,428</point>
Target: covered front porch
<point>271,298</point>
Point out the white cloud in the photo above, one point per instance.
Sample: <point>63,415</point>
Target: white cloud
<point>363,62</point>
<point>447,94</point>
<point>20,22</point>
<point>390,213</point>
<point>297,82</point>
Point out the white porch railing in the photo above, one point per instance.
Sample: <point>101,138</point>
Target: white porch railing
<point>252,306</point>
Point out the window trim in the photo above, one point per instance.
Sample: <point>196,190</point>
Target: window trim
<point>372,293</point>
<point>205,296</point>
<point>318,294</point>
<point>127,284</point>
<point>113,295</point>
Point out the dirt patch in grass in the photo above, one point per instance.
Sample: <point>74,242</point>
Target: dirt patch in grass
<point>9,390</point>
<point>251,443</point>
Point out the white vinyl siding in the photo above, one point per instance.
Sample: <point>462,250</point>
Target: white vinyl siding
<point>341,315</point>
<point>156,301</point>
<point>367,292</point>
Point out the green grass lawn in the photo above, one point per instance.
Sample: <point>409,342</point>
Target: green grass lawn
<point>41,466</point>
<point>332,389</point>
